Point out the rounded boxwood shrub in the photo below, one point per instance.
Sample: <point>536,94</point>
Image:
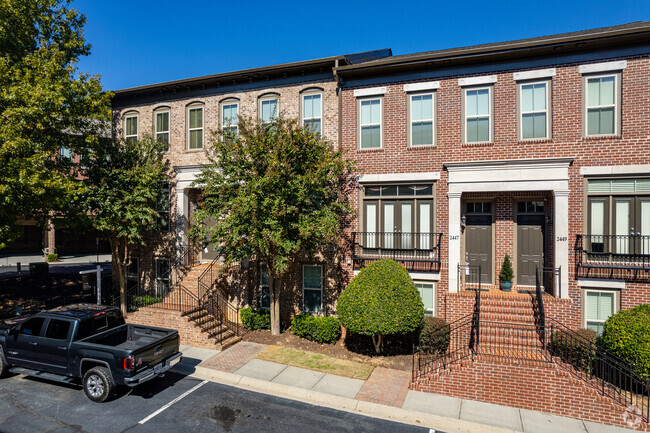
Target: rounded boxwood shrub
<point>574,349</point>
<point>627,334</point>
<point>381,300</point>
<point>319,329</point>
<point>255,318</point>
<point>435,336</point>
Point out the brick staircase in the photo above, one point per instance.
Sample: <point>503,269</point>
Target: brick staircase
<point>195,325</point>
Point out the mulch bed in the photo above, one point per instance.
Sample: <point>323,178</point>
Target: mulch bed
<point>397,349</point>
<point>34,295</point>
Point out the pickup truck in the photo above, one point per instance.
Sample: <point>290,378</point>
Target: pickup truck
<point>87,342</point>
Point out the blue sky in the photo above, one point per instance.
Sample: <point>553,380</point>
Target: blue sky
<point>140,42</point>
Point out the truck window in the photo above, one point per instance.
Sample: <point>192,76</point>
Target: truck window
<point>99,324</point>
<point>32,326</point>
<point>57,329</point>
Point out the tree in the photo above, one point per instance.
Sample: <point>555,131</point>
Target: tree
<point>43,100</point>
<point>123,180</point>
<point>381,300</point>
<point>273,190</point>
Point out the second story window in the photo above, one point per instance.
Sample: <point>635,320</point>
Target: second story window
<point>534,111</point>
<point>312,111</point>
<point>195,127</point>
<point>602,105</point>
<point>370,123</point>
<point>162,128</point>
<point>269,108</point>
<point>163,207</point>
<point>478,115</point>
<point>66,152</point>
<point>421,120</point>
<point>131,128</point>
<point>229,117</point>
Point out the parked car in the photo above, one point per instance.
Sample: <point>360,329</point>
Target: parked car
<point>88,342</point>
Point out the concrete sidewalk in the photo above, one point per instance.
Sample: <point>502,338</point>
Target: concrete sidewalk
<point>384,394</point>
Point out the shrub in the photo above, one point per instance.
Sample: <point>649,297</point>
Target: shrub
<point>144,300</point>
<point>381,300</point>
<point>319,329</point>
<point>507,274</point>
<point>435,336</point>
<point>627,334</point>
<point>256,318</point>
<point>574,349</point>
<point>52,257</point>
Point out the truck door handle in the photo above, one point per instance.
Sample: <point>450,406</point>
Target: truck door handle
<point>62,347</point>
<point>33,343</point>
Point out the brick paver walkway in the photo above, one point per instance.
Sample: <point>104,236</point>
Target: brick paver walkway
<point>385,386</point>
<point>233,358</point>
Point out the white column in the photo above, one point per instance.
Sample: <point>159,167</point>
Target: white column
<point>182,218</point>
<point>561,221</point>
<point>454,240</point>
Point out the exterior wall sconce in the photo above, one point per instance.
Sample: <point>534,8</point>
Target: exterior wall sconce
<point>463,222</point>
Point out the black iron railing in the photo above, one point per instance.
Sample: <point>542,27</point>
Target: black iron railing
<point>538,310</point>
<point>612,256</point>
<point>416,251</point>
<point>215,302</point>
<point>470,277</point>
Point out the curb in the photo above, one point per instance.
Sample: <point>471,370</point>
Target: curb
<point>374,410</point>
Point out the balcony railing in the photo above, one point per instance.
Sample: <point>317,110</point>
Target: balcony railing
<point>612,256</point>
<point>415,251</point>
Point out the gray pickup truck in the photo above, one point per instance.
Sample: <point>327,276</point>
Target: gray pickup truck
<point>87,342</point>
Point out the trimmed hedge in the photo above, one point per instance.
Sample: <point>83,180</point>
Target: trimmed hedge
<point>144,300</point>
<point>627,334</point>
<point>575,350</point>
<point>319,329</point>
<point>255,318</point>
<point>435,336</point>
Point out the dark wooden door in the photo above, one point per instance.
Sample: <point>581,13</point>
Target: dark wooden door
<point>530,248</point>
<point>478,247</point>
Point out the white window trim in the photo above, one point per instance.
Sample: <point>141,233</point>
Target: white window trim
<point>617,104</point>
<point>227,103</point>
<point>433,119</point>
<point>477,81</point>
<point>584,303</point>
<point>603,67</point>
<point>169,124</point>
<point>490,90</point>
<point>273,97</point>
<point>137,126</point>
<point>187,116</point>
<point>381,122</point>
<point>372,91</point>
<point>432,311</point>
<point>534,75</point>
<point>420,87</point>
<point>520,115</point>
<point>322,277</point>
<point>302,108</point>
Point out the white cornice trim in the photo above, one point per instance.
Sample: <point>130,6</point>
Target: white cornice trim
<point>603,67</point>
<point>508,164</point>
<point>399,177</point>
<point>532,75</point>
<point>601,284</point>
<point>373,91</point>
<point>608,170</point>
<point>475,81</point>
<point>416,87</point>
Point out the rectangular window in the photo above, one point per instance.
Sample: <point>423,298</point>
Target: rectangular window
<point>602,107</point>
<point>599,305</point>
<point>162,128</point>
<point>229,119</point>
<point>57,329</point>
<point>163,277</point>
<point>312,112</point>
<point>478,115</point>
<point>428,295</point>
<point>421,119</point>
<point>268,109</point>
<point>131,128</point>
<point>195,127</point>
<point>534,106</point>
<point>312,284</point>
<point>163,207</point>
<point>265,293</point>
<point>370,123</point>
<point>66,152</point>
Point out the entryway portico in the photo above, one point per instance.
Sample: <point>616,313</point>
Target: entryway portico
<point>534,176</point>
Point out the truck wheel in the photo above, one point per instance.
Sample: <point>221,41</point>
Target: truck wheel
<point>98,384</point>
<point>3,365</point>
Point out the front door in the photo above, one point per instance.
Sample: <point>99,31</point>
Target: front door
<point>530,241</point>
<point>478,242</point>
<point>210,251</point>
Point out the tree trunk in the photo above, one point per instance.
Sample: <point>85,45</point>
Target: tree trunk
<point>119,248</point>
<point>378,341</point>
<point>274,289</point>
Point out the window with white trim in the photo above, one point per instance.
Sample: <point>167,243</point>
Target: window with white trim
<point>229,118</point>
<point>370,123</point>
<point>265,293</point>
<point>269,108</point>
<point>162,128</point>
<point>312,111</point>
<point>534,110</point>
<point>478,114</point>
<point>195,127</point>
<point>312,288</point>
<point>422,119</point>
<point>428,295</point>
<point>163,274</point>
<point>131,128</point>
<point>599,305</point>
<point>602,104</point>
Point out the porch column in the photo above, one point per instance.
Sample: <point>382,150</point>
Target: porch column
<point>454,240</point>
<point>561,221</point>
<point>182,218</point>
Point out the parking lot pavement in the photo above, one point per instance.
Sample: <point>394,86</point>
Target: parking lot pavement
<point>174,403</point>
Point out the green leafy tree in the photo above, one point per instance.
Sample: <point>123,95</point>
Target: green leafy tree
<point>627,334</point>
<point>123,180</point>
<point>381,300</point>
<point>273,190</point>
<point>45,104</point>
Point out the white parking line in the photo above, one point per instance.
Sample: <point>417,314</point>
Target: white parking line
<point>177,399</point>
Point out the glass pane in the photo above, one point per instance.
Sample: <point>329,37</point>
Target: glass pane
<point>389,225</point>
<point>131,126</point>
<point>57,329</point>
<point>269,109</point>
<point>406,190</point>
<point>593,121</point>
<point>66,152</point>
<point>316,105</point>
<point>32,326</point>
<point>426,293</point>
<point>539,125</point>
<point>597,220</point>
<point>313,300</point>
<point>592,305</point>
<point>307,104</point>
<point>373,191</point>
<point>539,97</point>
<point>196,118</point>
<point>471,103</point>
<point>312,277</point>
<point>390,190</point>
<point>371,225</point>
<point>483,129</point>
<point>375,111</point>
<point>527,126</point>
<point>370,137</point>
<point>264,272</point>
<point>406,229</point>
<point>416,108</point>
<point>645,227</point>
<point>471,132</point>
<point>483,102</point>
<point>596,326</point>
<point>622,226</point>
<point>526,98</point>
<point>163,138</point>
<point>314,124</point>
<point>605,305</point>
<point>607,120</point>
<point>196,139</point>
<point>162,122</point>
<point>593,92</point>
<point>607,90</point>
<point>365,112</point>
<point>423,189</point>
<point>427,107</point>
<point>422,133</point>
<point>425,225</point>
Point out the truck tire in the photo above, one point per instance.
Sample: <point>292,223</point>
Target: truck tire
<point>98,384</point>
<point>3,365</point>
